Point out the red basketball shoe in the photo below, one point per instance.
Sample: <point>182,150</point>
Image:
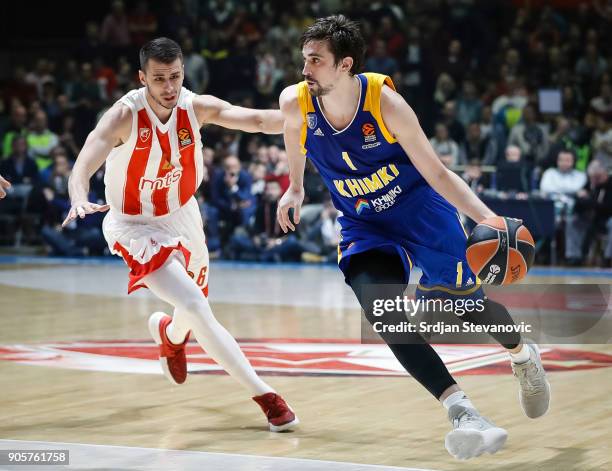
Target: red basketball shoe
<point>172,357</point>
<point>279,414</point>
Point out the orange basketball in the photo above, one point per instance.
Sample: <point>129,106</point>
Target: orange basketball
<point>500,250</point>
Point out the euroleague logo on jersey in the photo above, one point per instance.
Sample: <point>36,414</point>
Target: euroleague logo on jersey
<point>368,129</point>
<point>369,136</point>
<point>145,134</point>
<point>184,137</point>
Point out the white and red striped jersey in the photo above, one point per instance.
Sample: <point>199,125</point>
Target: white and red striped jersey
<point>160,167</point>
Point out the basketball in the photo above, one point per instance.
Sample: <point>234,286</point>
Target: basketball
<point>500,250</point>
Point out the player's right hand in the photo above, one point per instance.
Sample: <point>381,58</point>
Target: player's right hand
<point>291,199</point>
<point>3,186</point>
<point>82,209</point>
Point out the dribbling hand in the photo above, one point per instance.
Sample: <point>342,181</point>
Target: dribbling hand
<point>291,199</point>
<point>83,209</point>
<point>3,186</point>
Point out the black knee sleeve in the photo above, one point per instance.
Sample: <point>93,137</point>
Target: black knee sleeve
<point>414,353</point>
<point>495,314</point>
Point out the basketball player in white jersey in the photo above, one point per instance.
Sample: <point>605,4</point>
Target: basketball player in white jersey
<point>151,144</point>
<point>4,185</point>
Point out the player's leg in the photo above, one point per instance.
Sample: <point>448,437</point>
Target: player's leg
<point>472,434</point>
<point>444,263</point>
<point>371,268</point>
<point>534,391</point>
<point>172,284</point>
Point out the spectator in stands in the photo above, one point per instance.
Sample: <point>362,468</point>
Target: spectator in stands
<point>67,139</point>
<point>591,66</point>
<point>83,236</point>
<point>16,88</point>
<point>592,215</point>
<point>52,106</point>
<point>454,63</point>
<point>507,107</point>
<point>265,240</point>
<point>39,75</point>
<point>126,78</point>
<point>469,106</point>
<point>220,13</point>
<point>258,172</point>
<point>142,24</point>
<point>602,143</point>
<point>41,140</point>
<point>263,232</point>
<point>416,73</point>
<point>268,72</point>
<point>315,189</point>
<point>530,136</point>
<point>445,147</point>
<point>449,118</point>
<point>57,178</point>
<point>196,68</point>
<point>445,90</point>
<point>380,61</point>
<point>476,147</point>
<point>242,64</point>
<point>563,179</point>
<point>330,231</point>
<point>17,127</point>
<point>106,78</point>
<point>19,167</point>
<point>568,134</point>
<point>115,32</point>
<point>513,175</point>
<point>602,104</point>
<point>323,236</point>
<point>477,180</point>
<point>231,195</point>
<point>87,90</point>
<point>91,45</point>
<point>389,31</point>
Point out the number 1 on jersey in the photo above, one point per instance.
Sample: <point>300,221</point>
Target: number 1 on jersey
<point>459,274</point>
<point>348,161</point>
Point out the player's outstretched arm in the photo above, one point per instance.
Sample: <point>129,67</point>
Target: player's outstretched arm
<point>112,130</point>
<point>4,184</point>
<point>212,110</point>
<point>294,196</point>
<point>403,123</point>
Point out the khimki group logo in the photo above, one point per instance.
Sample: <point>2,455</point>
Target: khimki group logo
<point>361,205</point>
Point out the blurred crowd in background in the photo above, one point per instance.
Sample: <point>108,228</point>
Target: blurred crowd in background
<point>516,99</point>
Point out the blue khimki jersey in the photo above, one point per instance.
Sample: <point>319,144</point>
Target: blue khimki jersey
<point>366,170</point>
<point>385,202</point>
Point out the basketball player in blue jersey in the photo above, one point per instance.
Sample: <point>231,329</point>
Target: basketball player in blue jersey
<point>398,211</point>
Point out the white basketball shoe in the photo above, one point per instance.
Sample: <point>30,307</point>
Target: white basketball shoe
<point>472,434</point>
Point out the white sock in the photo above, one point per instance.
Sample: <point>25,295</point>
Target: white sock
<point>178,328</point>
<point>522,356</point>
<point>458,397</point>
<point>172,284</point>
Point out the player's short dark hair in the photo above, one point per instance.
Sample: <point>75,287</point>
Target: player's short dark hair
<point>343,37</point>
<point>163,50</point>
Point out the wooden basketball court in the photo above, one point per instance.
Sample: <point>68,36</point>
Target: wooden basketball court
<point>76,368</point>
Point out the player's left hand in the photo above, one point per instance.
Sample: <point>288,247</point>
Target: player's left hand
<point>4,185</point>
<point>82,209</point>
<point>291,199</point>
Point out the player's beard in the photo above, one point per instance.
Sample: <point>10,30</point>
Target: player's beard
<point>159,102</point>
<point>318,90</point>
